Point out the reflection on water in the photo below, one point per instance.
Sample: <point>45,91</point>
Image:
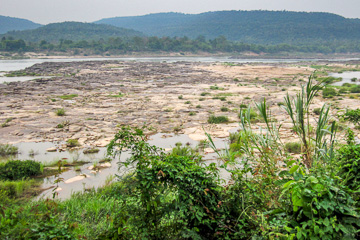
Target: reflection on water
<point>346,78</point>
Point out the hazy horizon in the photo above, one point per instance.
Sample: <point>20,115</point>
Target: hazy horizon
<point>44,11</point>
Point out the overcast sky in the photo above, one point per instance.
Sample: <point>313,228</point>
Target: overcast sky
<point>49,11</point>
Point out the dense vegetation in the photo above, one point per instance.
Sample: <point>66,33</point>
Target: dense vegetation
<point>271,194</point>
<point>113,46</point>
<point>261,27</point>
<point>74,31</point>
<point>15,24</point>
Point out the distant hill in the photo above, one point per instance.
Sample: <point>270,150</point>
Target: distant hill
<point>13,24</point>
<point>74,31</point>
<point>263,27</point>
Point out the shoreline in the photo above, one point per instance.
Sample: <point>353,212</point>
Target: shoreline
<point>230,56</point>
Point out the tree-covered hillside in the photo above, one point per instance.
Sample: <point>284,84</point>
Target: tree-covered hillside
<point>12,24</point>
<point>265,27</point>
<point>74,31</point>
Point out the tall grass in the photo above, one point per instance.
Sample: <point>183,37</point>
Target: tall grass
<point>7,149</point>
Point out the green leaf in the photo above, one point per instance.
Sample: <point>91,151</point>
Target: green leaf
<point>290,163</point>
<point>297,201</point>
<point>293,169</point>
<point>326,222</point>
<point>319,187</point>
<point>312,179</point>
<point>288,183</point>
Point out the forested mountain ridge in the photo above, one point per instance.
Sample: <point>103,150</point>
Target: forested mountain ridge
<point>74,31</point>
<point>264,27</point>
<point>12,24</point>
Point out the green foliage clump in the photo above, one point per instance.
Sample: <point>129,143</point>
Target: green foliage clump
<point>352,116</point>
<point>329,92</point>
<point>355,88</point>
<point>218,119</point>
<point>317,111</point>
<point>7,149</point>
<point>328,80</point>
<point>17,169</point>
<point>349,158</point>
<point>5,124</point>
<point>119,95</point>
<point>72,143</point>
<point>224,109</point>
<point>322,208</point>
<point>68,97</point>
<point>194,210</point>
<point>205,93</point>
<point>60,112</point>
<point>253,116</point>
<point>216,87</point>
<point>91,150</point>
<point>293,147</point>
<point>185,151</point>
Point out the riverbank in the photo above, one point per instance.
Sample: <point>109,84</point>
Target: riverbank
<point>235,55</point>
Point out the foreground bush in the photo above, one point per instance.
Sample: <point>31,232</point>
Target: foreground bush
<point>17,169</point>
<point>349,158</point>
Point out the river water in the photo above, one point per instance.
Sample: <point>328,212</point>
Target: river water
<point>346,78</point>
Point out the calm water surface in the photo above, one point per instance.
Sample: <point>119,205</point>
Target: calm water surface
<point>346,78</point>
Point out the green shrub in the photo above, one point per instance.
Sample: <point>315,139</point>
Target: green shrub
<point>349,158</point>
<point>216,87</point>
<point>68,97</point>
<point>91,151</point>
<point>355,89</point>
<point>192,113</point>
<point>180,97</point>
<point>322,208</point>
<point>16,169</point>
<point>60,112</point>
<point>317,111</point>
<point>205,93</point>
<point>72,143</point>
<point>218,119</point>
<point>5,124</point>
<point>7,149</point>
<point>187,102</point>
<point>224,109</point>
<point>183,151</point>
<point>293,147</point>
<point>253,115</point>
<point>352,116</point>
<point>329,92</point>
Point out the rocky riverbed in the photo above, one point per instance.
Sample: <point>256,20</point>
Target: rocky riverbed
<point>101,96</point>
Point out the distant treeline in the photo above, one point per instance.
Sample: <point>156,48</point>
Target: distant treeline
<point>167,44</point>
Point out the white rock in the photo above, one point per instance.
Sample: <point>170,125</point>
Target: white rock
<point>105,165</point>
<point>209,150</point>
<point>77,178</point>
<point>52,149</point>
